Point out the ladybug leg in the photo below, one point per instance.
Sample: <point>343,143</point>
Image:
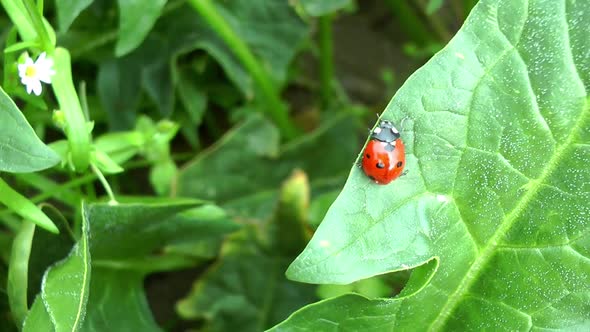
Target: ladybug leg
<point>401,124</point>
<point>405,172</point>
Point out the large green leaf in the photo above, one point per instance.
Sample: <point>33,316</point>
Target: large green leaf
<point>498,145</point>
<point>21,151</point>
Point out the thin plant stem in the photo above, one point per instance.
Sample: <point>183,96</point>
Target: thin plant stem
<point>410,22</point>
<point>326,60</point>
<point>37,20</point>
<point>104,183</point>
<point>274,106</point>
<point>436,23</point>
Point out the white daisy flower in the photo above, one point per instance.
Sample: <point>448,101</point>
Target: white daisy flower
<point>33,73</point>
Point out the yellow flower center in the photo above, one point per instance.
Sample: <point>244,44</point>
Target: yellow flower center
<point>31,71</point>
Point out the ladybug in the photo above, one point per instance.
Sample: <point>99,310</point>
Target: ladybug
<point>384,157</point>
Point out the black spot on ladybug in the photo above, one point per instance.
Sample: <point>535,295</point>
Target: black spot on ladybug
<point>389,147</point>
<point>368,156</point>
<point>380,165</point>
<point>399,164</point>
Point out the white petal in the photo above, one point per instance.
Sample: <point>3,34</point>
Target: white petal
<point>41,57</point>
<point>44,77</point>
<point>29,87</point>
<point>22,68</point>
<point>43,62</point>
<point>36,87</point>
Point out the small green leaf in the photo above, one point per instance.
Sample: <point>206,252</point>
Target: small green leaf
<point>162,174</point>
<point>290,233</point>
<point>497,189</point>
<point>24,208</point>
<point>68,10</point>
<point>120,146</point>
<point>105,163</point>
<point>433,6</point>
<point>119,88</point>
<point>136,18</point>
<point>22,150</point>
<point>66,285</point>
<point>193,98</point>
<point>323,7</point>
<point>20,46</point>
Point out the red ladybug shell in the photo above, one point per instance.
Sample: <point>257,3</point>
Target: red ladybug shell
<point>384,157</point>
<point>383,166</point>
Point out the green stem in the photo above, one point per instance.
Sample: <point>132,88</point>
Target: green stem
<point>18,271</point>
<point>77,130</point>
<point>19,16</point>
<point>37,20</point>
<point>326,60</point>
<point>435,22</point>
<point>104,183</point>
<point>274,105</point>
<point>410,22</point>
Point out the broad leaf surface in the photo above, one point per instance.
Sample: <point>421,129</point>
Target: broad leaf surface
<point>118,303</point>
<point>144,228</point>
<point>65,286</point>
<point>38,319</point>
<point>21,151</point>
<point>498,147</point>
<point>129,241</point>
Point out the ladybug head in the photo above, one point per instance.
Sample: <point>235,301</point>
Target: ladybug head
<point>386,132</point>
